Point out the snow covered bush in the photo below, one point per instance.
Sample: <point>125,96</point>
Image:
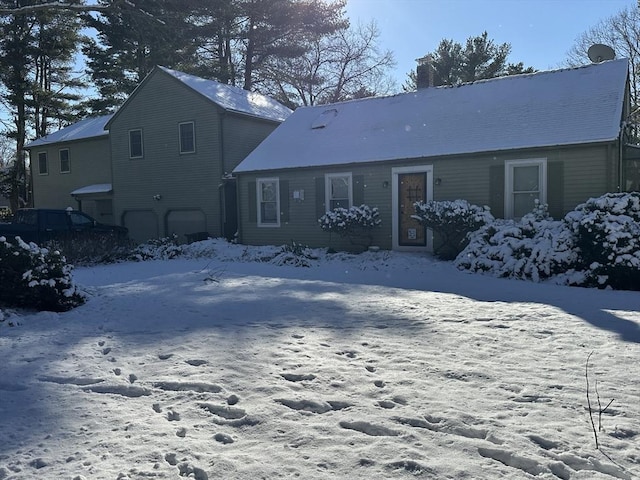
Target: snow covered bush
<point>452,221</point>
<point>158,249</point>
<point>34,277</point>
<point>607,231</point>
<point>355,223</point>
<point>295,255</point>
<point>534,248</point>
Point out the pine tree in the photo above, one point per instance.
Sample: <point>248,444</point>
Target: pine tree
<point>55,86</point>
<point>36,52</point>
<point>132,38</point>
<point>480,58</point>
<point>277,29</point>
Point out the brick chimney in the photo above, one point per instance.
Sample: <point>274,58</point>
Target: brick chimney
<point>424,72</point>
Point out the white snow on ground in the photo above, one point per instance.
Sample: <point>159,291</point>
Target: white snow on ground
<point>376,366</point>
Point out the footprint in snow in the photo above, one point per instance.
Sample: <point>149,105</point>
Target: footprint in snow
<point>189,471</point>
<point>196,362</point>
<point>223,438</point>
<point>297,377</point>
<point>369,429</point>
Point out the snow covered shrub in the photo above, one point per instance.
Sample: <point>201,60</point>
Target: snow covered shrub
<point>535,248</point>
<point>355,223</point>
<point>296,255</point>
<point>608,237</point>
<point>34,277</point>
<point>453,221</point>
<point>158,249</point>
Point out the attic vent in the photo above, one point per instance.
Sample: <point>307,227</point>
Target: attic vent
<point>324,118</point>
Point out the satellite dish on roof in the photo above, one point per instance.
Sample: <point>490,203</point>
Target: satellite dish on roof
<point>599,53</point>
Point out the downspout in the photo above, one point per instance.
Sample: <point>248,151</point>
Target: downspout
<point>620,159</point>
<point>221,200</point>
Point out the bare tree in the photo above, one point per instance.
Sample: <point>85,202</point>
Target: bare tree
<point>622,33</point>
<point>342,66</point>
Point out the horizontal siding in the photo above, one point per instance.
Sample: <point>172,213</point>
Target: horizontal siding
<point>302,226</point>
<point>241,135</point>
<point>588,172</point>
<point>183,181</point>
<point>90,164</point>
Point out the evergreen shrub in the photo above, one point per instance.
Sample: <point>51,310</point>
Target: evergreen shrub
<point>453,221</point>
<point>34,277</point>
<point>355,223</point>
<point>534,248</point>
<point>607,231</point>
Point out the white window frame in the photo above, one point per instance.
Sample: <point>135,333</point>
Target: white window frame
<point>327,188</point>
<point>68,170</point>
<point>510,166</point>
<point>259,183</point>
<point>193,137</point>
<point>141,143</point>
<point>46,163</point>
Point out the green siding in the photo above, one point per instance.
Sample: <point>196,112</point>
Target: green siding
<point>241,135</point>
<point>90,164</point>
<point>179,182</point>
<point>301,226</point>
<point>574,175</point>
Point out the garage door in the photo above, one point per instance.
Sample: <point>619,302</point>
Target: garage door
<point>142,224</point>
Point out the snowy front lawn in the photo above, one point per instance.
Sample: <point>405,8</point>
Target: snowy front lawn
<point>375,366</point>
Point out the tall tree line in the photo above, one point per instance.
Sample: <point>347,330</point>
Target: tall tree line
<point>246,43</point>
<point>37,49</point>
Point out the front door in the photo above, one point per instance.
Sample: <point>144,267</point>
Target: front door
<point>410,185</point>
<point>411,188</point>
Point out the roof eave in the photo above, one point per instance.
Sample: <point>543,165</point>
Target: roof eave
<point>415,157</point>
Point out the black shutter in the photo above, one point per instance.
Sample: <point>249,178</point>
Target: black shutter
<point>357,184</point>
<point>555,189</point>
<point>496,190</point>
<point>253,209</point>
<point>321,209</point>
<point>284,201</point>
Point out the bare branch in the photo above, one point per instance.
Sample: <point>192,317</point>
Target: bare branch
<point>53,6</point>
<point>593,425</point>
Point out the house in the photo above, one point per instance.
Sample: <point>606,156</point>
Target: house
<point>169,150</point>
<point>72,168</point>
<point>556,136</point>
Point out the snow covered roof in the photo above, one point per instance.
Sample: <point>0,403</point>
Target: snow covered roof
<point>96,188</point>
<point>561,107</point>
<point>87,128</point>
<point>233,98</point>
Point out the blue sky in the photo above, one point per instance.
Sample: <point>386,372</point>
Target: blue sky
<point>540,32</point>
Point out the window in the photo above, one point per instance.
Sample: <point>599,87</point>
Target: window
<point>43,164</point>
<point>187,137</point>
<point>268,195</point>
<point>338,191</point>
<point>526,182</point>
<point>135,144</point>
<point>79,220</point>
<point>65,163</point>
